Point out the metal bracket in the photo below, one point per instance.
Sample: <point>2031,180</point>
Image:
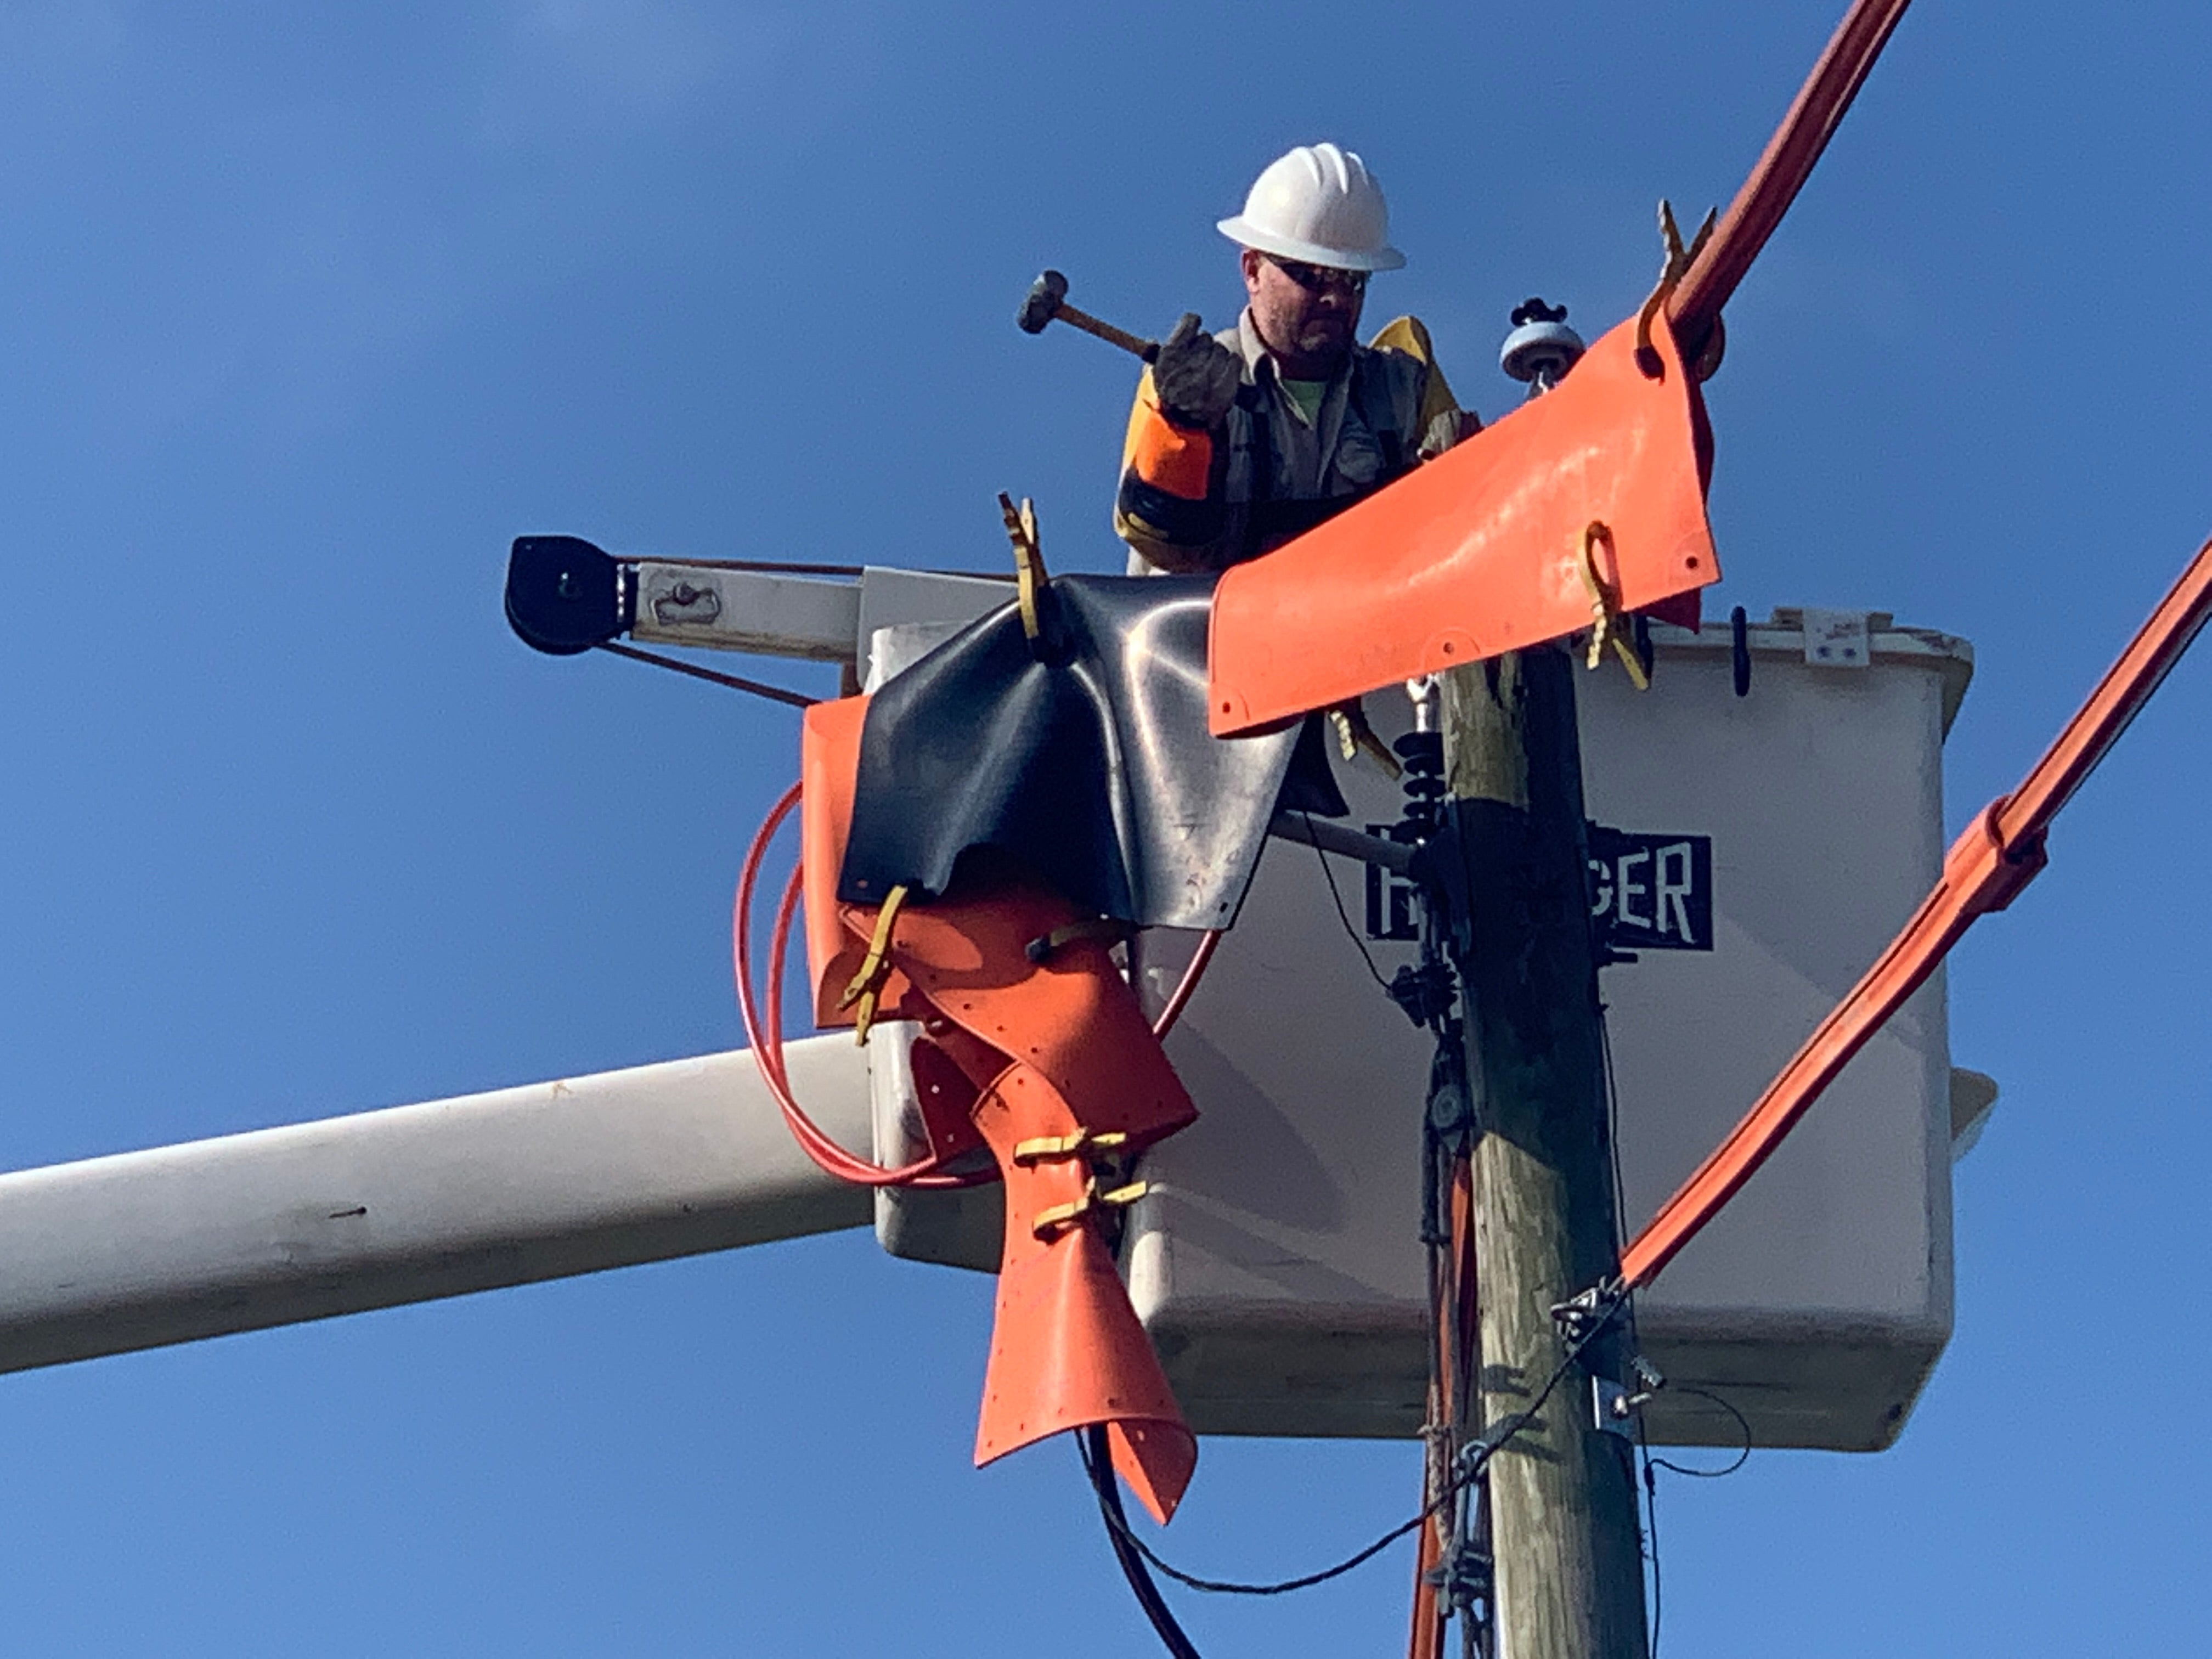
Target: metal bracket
<point>1394,856</point>
<point>1838,639</point>
<point>1467,1577</point>
<point>1582,1315</point>
<point>1614,1409</point>
<point>1609,1408</point>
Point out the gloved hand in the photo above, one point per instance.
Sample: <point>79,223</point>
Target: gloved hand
<point>1196,377</point>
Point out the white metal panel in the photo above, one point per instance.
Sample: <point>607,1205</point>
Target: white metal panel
<point>891,598</point>
<point>1277,1263</point>
<point>417,1202</point>
<point>773,615</point>
<point>825,619</point>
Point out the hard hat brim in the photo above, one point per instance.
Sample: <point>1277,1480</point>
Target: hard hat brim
<point>1242,232</point>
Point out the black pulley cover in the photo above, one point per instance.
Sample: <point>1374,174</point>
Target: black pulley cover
<point>564,595</point>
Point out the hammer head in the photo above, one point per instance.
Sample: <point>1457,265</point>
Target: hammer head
<point>1042,303</point>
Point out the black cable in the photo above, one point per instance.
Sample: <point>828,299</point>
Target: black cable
<point>734,682</point>
<point>1651,1509</point>
<point>1652,1465</point>
<point>1098,1464</point>
<point>1643,1448</point>
<point>1342,915</point>
<point>1743,1452</point>
<point>1284,1586</point>
<point>1117,1521</point>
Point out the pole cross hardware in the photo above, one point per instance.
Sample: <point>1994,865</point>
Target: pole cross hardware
<point>1583,1316</point>
<point>1614,1406</point>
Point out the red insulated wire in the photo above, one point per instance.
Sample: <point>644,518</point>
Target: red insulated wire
<point>766,1036</point>
<point>923,1172</point>
<point>764,1026</point>
<point>1171,1011</point>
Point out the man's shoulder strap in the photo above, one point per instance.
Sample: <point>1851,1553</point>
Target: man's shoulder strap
<point>1408,338</point>
<point>1390,383</point>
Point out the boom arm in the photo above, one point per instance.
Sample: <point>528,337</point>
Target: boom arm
<point>417,1202</point>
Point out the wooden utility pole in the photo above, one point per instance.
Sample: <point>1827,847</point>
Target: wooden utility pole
<point>1563,1522</point>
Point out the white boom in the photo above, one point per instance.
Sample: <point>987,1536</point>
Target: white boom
<point>417,1202</point>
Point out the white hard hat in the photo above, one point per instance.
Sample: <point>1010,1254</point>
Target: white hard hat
<point>1318,205</point>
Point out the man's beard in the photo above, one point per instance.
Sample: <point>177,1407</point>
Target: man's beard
<point>1323,339</point>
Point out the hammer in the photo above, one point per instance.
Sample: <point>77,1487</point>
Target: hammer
<point>1048,300</point>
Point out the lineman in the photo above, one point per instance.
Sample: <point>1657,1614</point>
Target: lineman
<point>1242,439</point>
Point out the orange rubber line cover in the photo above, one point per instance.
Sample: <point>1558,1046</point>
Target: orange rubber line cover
<point>1980,874</point>
<point>1066,1348</point>
<point>1997,856</point>
<point>1057,1048</point>
<point>1478,551</point>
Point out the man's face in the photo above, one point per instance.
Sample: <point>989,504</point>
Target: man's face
<point>1307,315</point>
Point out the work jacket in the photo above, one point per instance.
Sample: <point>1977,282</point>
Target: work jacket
<point>1203,500</point>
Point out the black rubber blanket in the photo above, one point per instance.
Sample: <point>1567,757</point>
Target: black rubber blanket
<point>1082,751</point>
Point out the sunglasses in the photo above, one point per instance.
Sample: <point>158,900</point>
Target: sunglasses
<point>1319,279</point>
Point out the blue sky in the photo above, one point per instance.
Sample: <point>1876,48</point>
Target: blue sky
<point>306,312</point>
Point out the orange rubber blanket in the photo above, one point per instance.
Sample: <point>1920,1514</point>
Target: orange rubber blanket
<point>1589,498</point>
<point>1054,1065</point>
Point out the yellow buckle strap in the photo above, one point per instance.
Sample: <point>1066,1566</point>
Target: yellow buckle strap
<point>1676,263</point>
<point>866,985</point>
<point>1053,1217</point>
<point>1029,558</point>
<point>1355,736</point>
<point>1604,608</point>
<point>1047,1148</point>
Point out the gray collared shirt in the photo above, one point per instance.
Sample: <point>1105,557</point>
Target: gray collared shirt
<point>1339,453</point>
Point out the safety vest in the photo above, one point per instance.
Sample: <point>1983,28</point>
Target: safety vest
<point>1270,475</point>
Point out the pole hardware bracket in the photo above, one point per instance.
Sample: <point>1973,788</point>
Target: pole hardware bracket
<point>1439,867</point>
<point>1476,1454</point>
<point>1582,1317</point>
<point>1614,1406</point>
<point>1423,994</point>
<point>1467,1577</point>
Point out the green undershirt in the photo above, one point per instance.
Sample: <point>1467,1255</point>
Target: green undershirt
<point>1307,395</point>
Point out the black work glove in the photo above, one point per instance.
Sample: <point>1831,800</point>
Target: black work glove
<point>1196,377</point>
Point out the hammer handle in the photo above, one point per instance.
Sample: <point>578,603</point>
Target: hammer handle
<point>1147,349</point>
